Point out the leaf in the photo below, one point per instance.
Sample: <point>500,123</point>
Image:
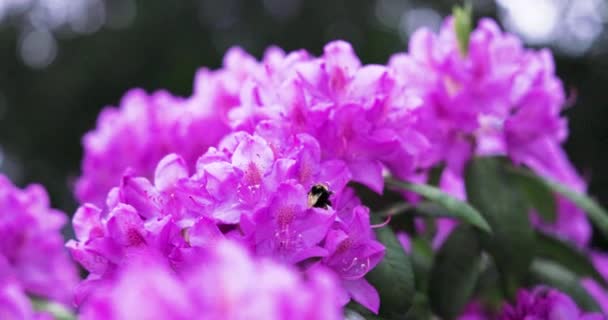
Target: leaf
<point>596,213</point>
<point>494,193</point>
<point>463,26</point>
<point>455,208</point>
<point>397,209</point>
<point>58,311</point>
<point>393,276</point>
<point>420,309</point>
<point>568,256</point>
<point>489,294</point>
<point>422,261</point>
<point>538,196</point>
<point>455,272</point>
<point>554,275</point>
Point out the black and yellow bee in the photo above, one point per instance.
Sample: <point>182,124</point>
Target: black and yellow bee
<point>318,196</point>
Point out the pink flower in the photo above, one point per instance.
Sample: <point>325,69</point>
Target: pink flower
<point>352,253</point>
<point>474,311</point>
<point>225,282</point>
<point>14,302</point>
<point>545,303</point>
<point>250,189</point>
<point>500,99</point>
<point>145,127</point>
<point>31,250</point>
<point>356,112</point>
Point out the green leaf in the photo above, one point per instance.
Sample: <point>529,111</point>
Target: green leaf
<point>595,212</point>
<point>397,209</point>
<point>58,311</point>
<point>420,309</point>
<point>422,260</point>
<point>538,196</point>
<point>554,275</point>
<point>490,294</point>
<point>430,209</point>
<point>568,256</point>
<point>463,26</point>
<point>393,276</point>
<point>455,272</point>
<point>455,208</point>
<point>493,191</point>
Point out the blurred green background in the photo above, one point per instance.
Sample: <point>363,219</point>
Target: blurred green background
<point>61,61</point>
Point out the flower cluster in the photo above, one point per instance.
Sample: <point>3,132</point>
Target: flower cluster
<point>355,111</point>
<point>261,194</point>
<point>146,127</point>
<point>498,99</point>
<point>225,282</point>
<point>428,106</point>
<point>33,260</point>
<point>262,152</point>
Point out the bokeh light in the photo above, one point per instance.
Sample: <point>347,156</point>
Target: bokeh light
<point>39,22</point>
<point>570,26</point>
<point>38,48</point>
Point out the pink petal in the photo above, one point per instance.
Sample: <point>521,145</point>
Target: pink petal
<point>170,169</point>
<point>203,233</point>
<point>364,293</point>
<point>141,194</point>
<point>125,226</point>
<point>369,173</point>
<point>87,223</point>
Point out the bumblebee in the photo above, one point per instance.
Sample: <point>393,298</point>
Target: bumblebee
<point>318,196</point>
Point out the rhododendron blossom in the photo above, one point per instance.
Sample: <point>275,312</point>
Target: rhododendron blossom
<point>239,201</point>
<point>146,127</point>
<point>244,190</point>
<point>14,303</point>
<point>499,99</point>
<point>545,303</point>
<point>355,111</point>
<point>31,247</point>
<point>222,282</point>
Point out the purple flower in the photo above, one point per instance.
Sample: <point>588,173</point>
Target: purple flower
<point>288,229</point>
<point>500,99</point>
<point>136,136</point>
<point>145,127</point>
<point>14,303</point>
<point>31,250</point>
<point>474,311</point>
<point>352,253</point>
<point>107,242</point>
<point>457,91</point>
<point>252,189</point>
<point>356,112</point>
<point>224,282</point>
<point>545,303</point>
